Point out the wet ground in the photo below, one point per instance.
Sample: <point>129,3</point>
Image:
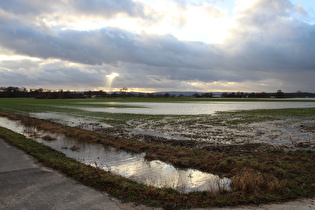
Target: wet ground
<point>229,134</point>
<point>197,126</point>
<point>23,190</point>
<point>222,133</point>
<point>133,166</point>
<point>218,133</point>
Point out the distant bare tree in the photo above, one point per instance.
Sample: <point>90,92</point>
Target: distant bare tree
<point>280,94</point>
<point>124,90</point>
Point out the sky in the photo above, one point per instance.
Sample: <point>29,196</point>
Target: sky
<point>158,45</point>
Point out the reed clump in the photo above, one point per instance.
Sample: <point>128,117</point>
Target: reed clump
<point>251,181</point>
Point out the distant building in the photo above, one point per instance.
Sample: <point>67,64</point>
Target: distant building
<point>216,95</point>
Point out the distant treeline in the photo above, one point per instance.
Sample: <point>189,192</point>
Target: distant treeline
<point>16,92</point>
<point>277,94</point>
<point>10,92</point>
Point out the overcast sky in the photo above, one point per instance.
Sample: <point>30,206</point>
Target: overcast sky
<point>158,45</point>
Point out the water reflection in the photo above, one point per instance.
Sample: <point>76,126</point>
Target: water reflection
<point>72,121</point>
<point>132,166</point>
<point>193,108</point>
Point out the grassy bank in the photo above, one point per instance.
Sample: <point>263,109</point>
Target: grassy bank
<point>257,176</point>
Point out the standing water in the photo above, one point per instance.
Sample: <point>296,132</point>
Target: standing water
<point>192,108</point>
<point>132,166</point>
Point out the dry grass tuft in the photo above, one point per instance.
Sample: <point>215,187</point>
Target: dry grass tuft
<point>251,181</point>
<point>247,181</point>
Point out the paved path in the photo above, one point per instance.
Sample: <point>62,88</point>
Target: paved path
<point>26,184</point>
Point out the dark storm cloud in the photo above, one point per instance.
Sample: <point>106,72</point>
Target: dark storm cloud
<point>51,75</point>
<point>271,40</point>
<point>239,59</point>
<point>24,7</point>
<point>107,8</point>
<point>108,46</point>
<point>100,8</point>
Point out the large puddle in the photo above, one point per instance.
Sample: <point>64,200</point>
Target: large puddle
<point>72,121</point>
<point>132,166</point>
<point>193,108</point>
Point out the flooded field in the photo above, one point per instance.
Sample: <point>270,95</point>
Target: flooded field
<point>290,133</point>
<point>196,122</point>
<point>132,166</point>
<point>266,153</point>
<point>192,108</point>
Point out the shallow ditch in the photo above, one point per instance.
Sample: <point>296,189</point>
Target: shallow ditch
<point>132,166</point>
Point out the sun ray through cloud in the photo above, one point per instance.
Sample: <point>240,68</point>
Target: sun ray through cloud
<point>110,78</point>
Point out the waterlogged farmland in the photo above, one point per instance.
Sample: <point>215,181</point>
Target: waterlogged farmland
<point>266,154</point>
<point>195,122</point>
<point>133,166</point>
<point>189,108</point>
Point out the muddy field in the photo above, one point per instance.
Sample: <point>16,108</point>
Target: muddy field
<point>241,131</point>
<point>221,133</point>
<point>247,147</point>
